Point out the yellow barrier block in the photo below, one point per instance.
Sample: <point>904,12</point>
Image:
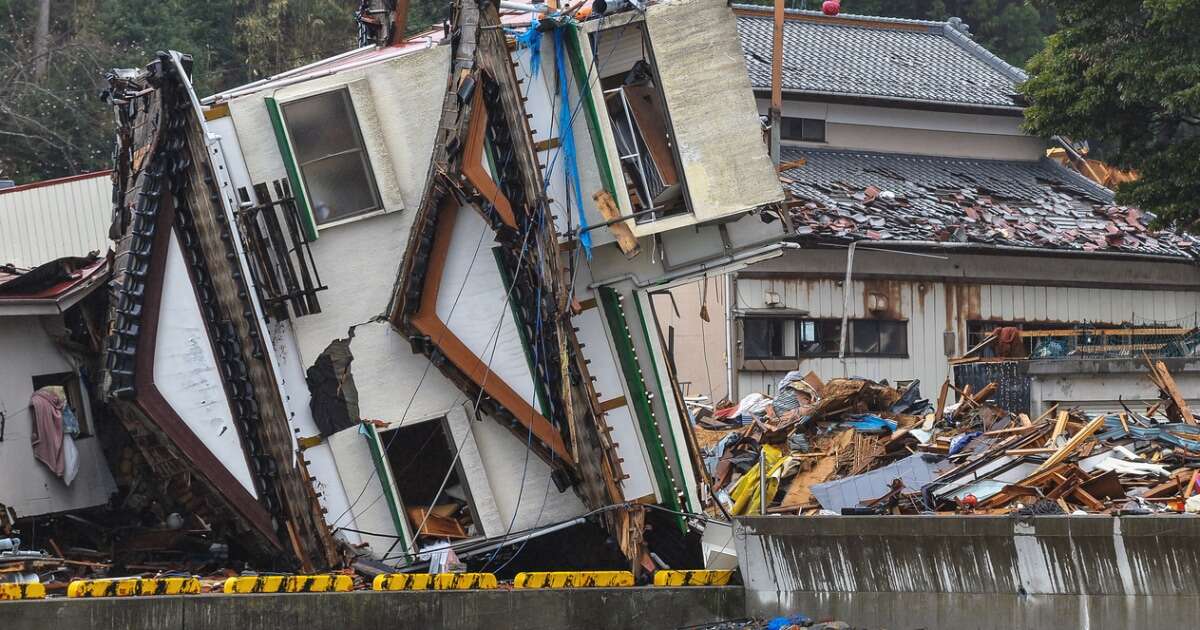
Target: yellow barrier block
<point>288,584</point>
<point>433,581</point>
<point>573,579</point>
<point>692,578</point>
<point>35,590</point>
<point>129,587</point>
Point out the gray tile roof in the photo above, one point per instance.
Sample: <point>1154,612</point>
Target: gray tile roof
<point>861,56</point>
<point>851,195</point>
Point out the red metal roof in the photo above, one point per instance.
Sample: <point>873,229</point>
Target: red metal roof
<point>71,274</point>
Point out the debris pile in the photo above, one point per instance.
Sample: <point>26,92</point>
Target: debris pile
<point>854,446</point>
<point>852,195</point>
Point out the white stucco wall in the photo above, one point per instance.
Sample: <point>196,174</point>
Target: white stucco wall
<point>896,130</point>
<point>186,371</point>
<point>358,261</point>
<point>26,485</point>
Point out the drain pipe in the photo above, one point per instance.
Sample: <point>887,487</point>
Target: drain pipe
<point>730,305</point>
<point>697,268</point>
<point>846,306</point>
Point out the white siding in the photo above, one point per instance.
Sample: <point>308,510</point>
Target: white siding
<point>46,222</point>
<point>26,485</point>
<point>941,307</point>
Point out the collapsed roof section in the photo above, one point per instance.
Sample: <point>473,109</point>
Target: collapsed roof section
<point>853,195</point>
<point>49,288</point>
<point>912,61</point>
<point>186,368</point>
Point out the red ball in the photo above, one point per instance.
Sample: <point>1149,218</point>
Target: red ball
<point>831,7</point>
<point>970,501</point>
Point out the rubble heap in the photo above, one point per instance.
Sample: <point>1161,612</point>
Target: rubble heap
<point>854,446</point>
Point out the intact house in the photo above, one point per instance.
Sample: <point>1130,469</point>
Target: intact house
<point>926,219</point>
<point>46,466</point>
<point>409,286</point>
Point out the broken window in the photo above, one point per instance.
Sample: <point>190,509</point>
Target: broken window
<point>803,129</point>
<point>420,456</point>
<point>67,385</point>
<point>333,161</point>
<point>638,115</point>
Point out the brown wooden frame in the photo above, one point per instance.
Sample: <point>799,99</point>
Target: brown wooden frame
<point>426,321</point>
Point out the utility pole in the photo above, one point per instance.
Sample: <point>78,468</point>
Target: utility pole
<point>776,111</point>
<point>401,22</point>
<point>41,41</point>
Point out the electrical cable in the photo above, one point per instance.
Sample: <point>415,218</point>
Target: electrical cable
<point>594,67</point>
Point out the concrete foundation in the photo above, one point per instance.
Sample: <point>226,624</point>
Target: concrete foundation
<point>633,608</point>
<point>975,572</point>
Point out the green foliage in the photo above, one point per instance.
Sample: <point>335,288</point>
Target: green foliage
<point>1012,29</point>
<point>1125,75</point>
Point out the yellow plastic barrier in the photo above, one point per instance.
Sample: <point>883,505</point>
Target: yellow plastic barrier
<point>692,578</point>
<point>433,581</point>
<point>288,584</point>
<point>130,587</point>
<point>35,590</point>
<point>573,579</point>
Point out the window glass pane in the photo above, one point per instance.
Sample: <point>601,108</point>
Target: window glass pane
<point>338,187</point>
<point>812,130</point>
<point>830,335</point>
<point>893,338</point>
<point>769,338</point>
<point>864,336</point>
<point>321,125</point>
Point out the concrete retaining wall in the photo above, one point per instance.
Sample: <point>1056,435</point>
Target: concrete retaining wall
<point>975,572</point>
<point>633,608</point>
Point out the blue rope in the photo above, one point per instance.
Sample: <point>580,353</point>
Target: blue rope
<point>568,138</point>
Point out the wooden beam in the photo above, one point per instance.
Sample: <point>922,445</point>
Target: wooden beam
<point>1073,443</point>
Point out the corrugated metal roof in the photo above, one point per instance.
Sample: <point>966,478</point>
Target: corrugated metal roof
<point>42,221</point>
<point>853,195</point>
<point>878,57</point>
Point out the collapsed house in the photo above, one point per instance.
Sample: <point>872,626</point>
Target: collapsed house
<point>398,300</point>
<point>48,332</point>
<point>927,221</point>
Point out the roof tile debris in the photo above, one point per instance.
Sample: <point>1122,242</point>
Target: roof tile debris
<point>850,195</point>
<point>912,60</point>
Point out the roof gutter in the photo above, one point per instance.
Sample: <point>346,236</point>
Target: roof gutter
<point>894,102</point>
<point>1016,248</point>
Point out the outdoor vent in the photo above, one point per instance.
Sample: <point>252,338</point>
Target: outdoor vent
<point>772,299</point>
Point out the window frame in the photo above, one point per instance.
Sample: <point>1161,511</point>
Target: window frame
<point>819,324</point>
<point>771,320</point>
<point>361,148</point>
<point>77,397</point>
<point>805,124</point>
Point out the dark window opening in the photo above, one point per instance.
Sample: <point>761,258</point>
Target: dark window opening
<point>770,338</point>
<point>67,385</point>
<point>803,129</point>
<point>786,338</point>
<point>637,113</point>
<point>419,456</point>
<point>872,337</point>
<point>331,155</point>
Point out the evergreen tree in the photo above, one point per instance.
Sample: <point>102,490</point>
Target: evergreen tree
<point>1125,75</point>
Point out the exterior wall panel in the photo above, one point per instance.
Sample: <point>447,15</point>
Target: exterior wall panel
<point>51,220</point>
<point>932,308</point>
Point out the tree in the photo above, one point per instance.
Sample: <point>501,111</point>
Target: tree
<point>1125,75</point>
